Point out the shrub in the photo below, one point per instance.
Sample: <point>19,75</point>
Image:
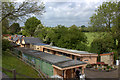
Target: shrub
<point>6,45</point>
<point>89,66</point>
<point>109,67</point>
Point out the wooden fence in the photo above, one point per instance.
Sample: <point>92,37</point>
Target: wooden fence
<point>13,71</point>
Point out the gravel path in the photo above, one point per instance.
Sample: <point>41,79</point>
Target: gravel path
<point>93,74</point>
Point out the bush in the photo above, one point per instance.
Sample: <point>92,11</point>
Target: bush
<point>89,66</point>
<point>109,67</point>
<point>6,45</point>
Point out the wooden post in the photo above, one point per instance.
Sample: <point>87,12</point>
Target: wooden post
<point>63,74</point>
<point>14,74</point>
<point>82,70</point>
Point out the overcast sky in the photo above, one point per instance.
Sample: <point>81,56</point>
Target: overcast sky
<point>68,12</point>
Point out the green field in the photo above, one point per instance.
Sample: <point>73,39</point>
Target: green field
<point>11,62</point>
<point>92,35</point>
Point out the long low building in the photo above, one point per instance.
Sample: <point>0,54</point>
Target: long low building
<point>51,64</point>
<point>90,58</point>
<point>36,44</point>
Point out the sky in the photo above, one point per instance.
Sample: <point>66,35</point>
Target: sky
<point>68,12</point>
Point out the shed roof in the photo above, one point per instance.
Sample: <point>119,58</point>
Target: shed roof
<point>60,61</point>
<point>39,44</point>
<point>109,53</point>
<point>30,40</point>
<point>70,63</point>
<point>70,50</point>
<point>15,39</point>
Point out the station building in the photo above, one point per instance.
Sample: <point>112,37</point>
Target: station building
<point>90,58</point>
<point>51,64</point>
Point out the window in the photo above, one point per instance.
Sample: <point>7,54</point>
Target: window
<point>80,68</point>
<point>37,48</point>
<point>60,53</point>
<point>73,57</point>
<point>68,55</point>
<point>78,58</point>
<point>43,49</point>
<point>54,52</point>
<point>86,60</point>
<point>64,54</point>
<point>48,50</point>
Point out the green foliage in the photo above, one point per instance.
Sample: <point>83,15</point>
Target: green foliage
<point>4,30</point>
<point>31,25</point>
<point>6,45</point>
<point>71,38</point>
<point>89,66</point>
<point>95,29</point>
<point>5,23</point>
<point>14,28</point>
<point>82,26</point>
<point>104,16</point>
<point>116,56</point>
<point>116,28</point>
<point>5,26</point>
<point>57,35</point>
<point>40,31</point>
<point>102,44</point>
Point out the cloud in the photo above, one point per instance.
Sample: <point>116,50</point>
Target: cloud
<point>68,12</point>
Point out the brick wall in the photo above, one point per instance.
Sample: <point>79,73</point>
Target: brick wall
<point>107,59</point>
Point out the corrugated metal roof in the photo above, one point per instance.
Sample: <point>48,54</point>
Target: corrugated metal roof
<point>74,51</point>
<point>39,44</point>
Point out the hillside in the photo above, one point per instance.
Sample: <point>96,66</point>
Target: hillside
<point>11,62</point>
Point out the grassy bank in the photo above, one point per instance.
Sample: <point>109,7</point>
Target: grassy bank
<point>11,62</point>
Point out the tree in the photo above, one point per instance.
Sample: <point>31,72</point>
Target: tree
<point>82,26</point>
<point>116,28</point>
<point>6,44</point>
<point>11,12</point>
<point>5,26</point>
<point>31,25</point>
<point>107,16</point>
<point>70,38</point>
<point>104,43</point>
<point>104,16</point>
<point>5,23</point>
<point>56,34</point>
<point>4,30</point>
<point>42,32</point>
<point>14,28</point>
<point>77,38</point>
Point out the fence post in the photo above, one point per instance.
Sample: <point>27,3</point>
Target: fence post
<point>14,74</point>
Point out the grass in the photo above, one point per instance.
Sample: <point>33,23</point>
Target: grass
<point>92,35</point>
<point>11,62</point>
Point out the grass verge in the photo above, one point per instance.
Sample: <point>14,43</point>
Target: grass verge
<point>11,62</point>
